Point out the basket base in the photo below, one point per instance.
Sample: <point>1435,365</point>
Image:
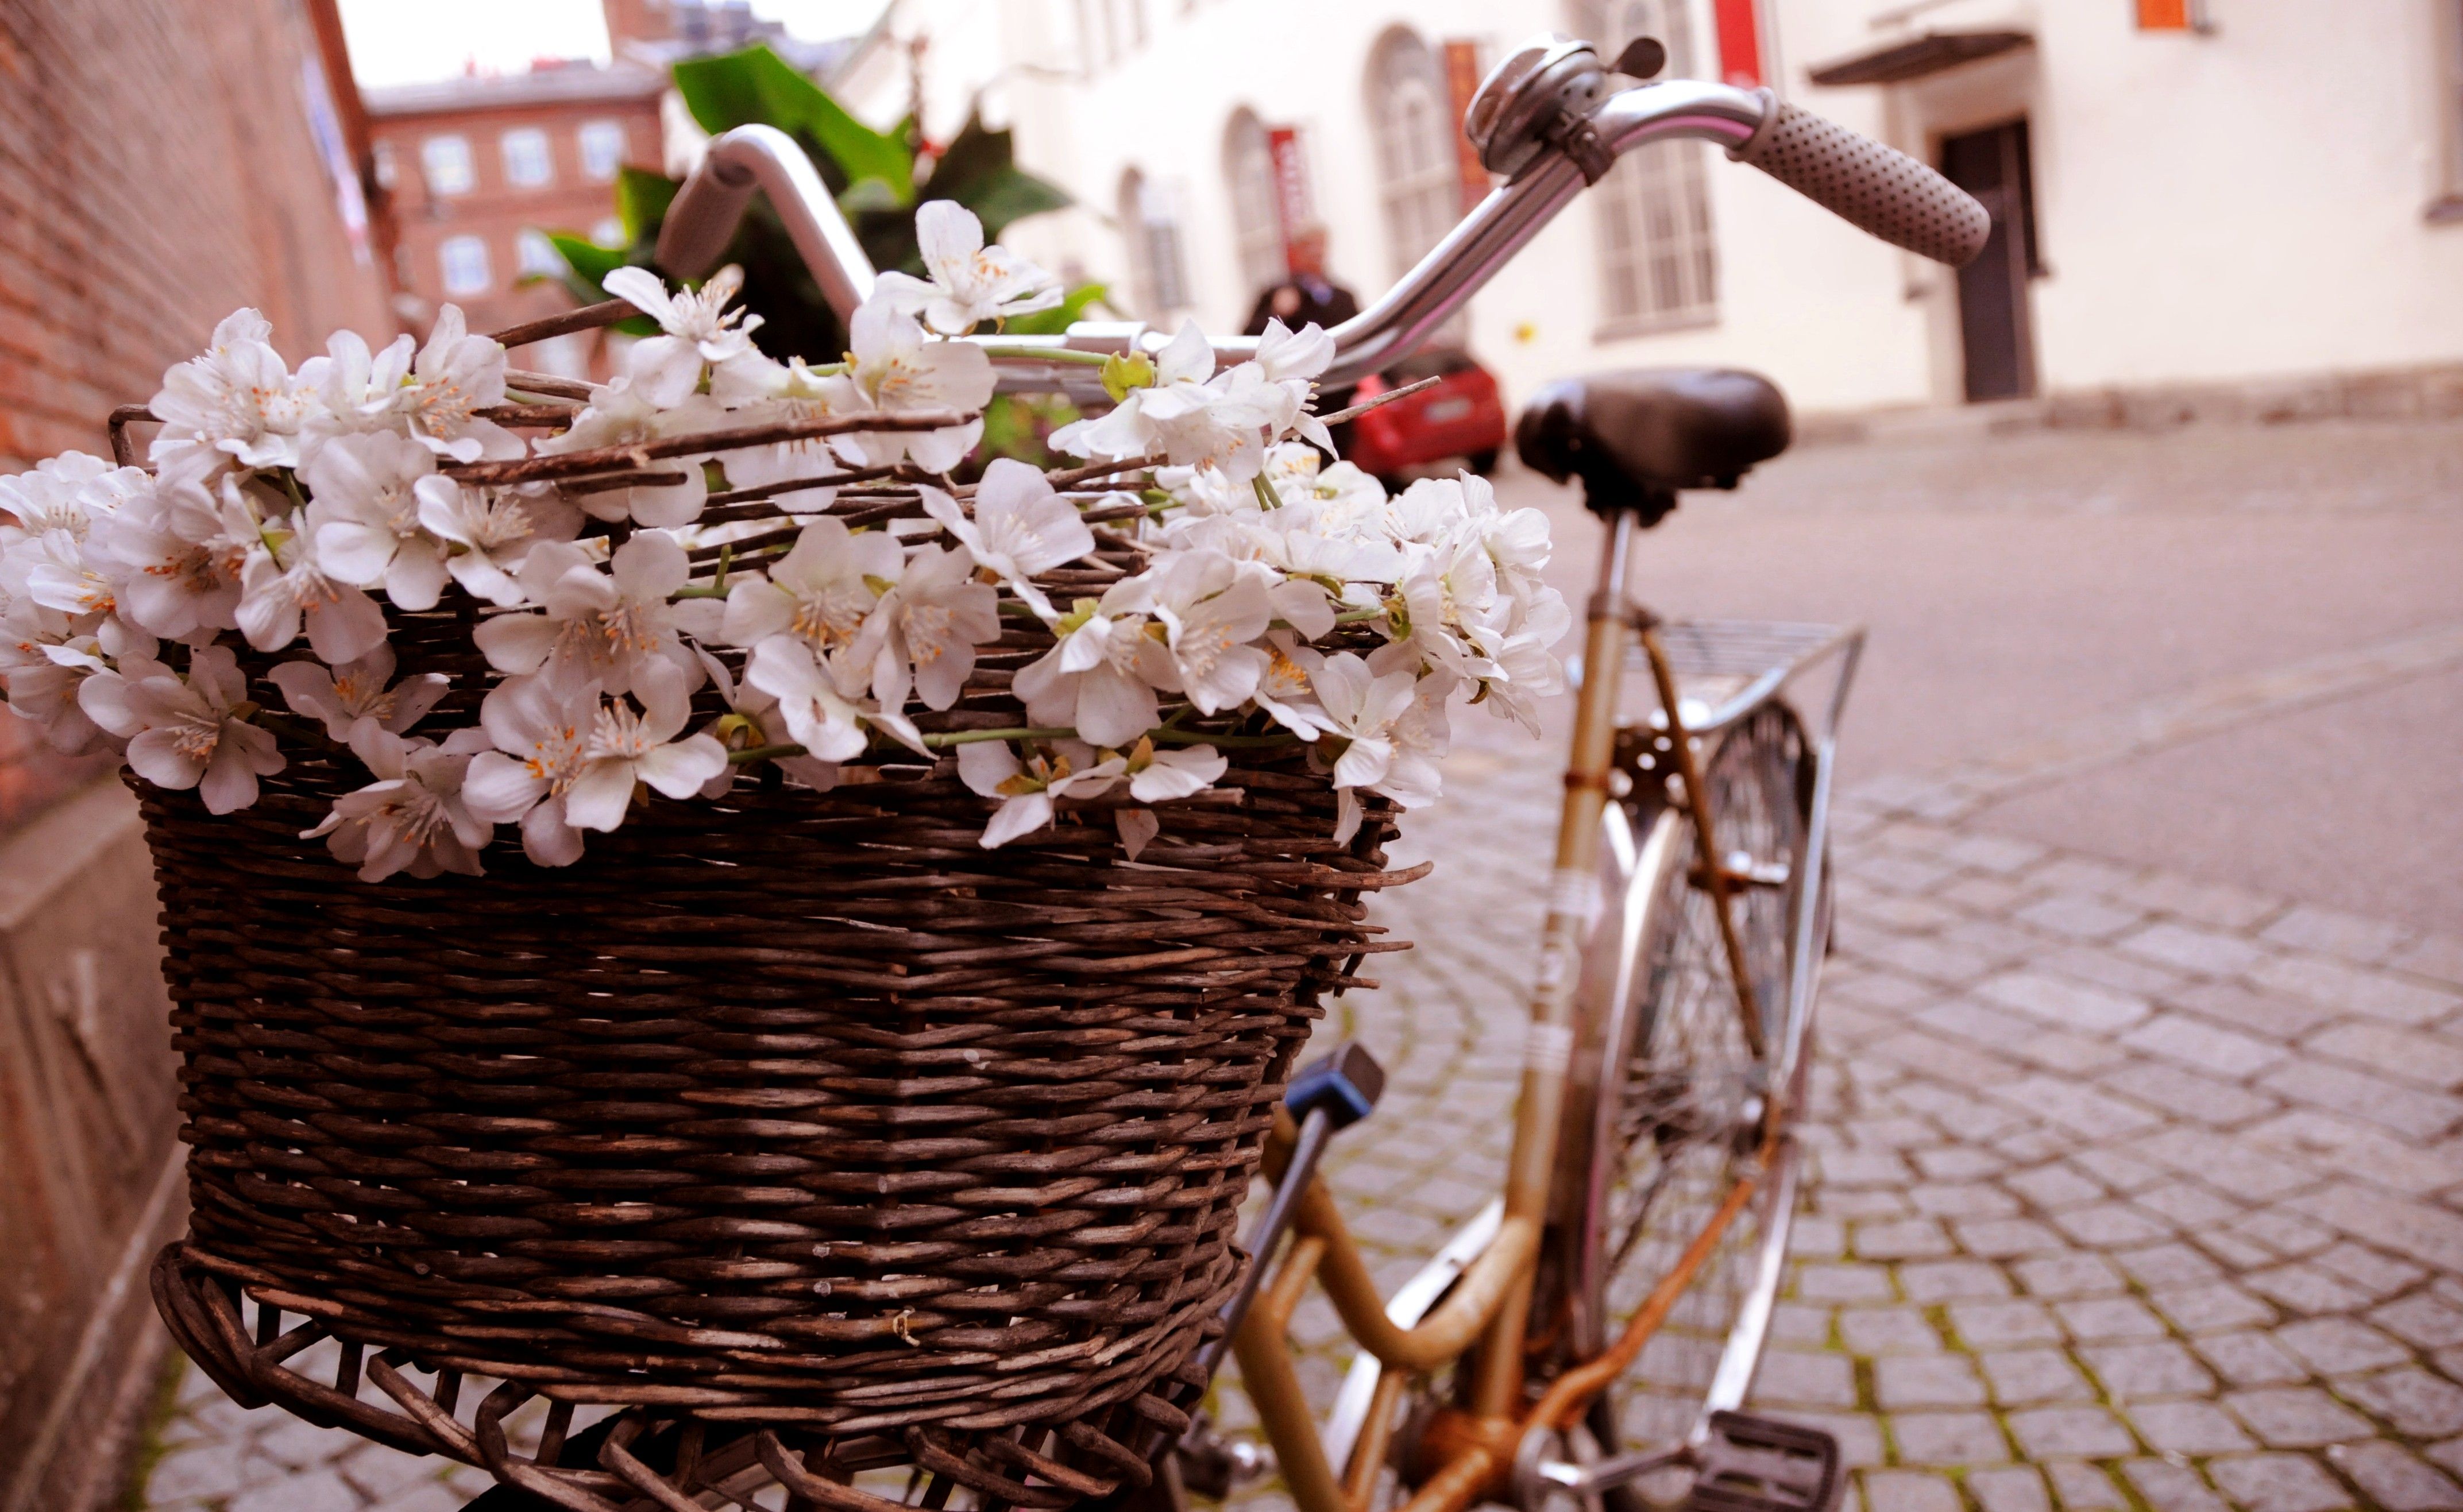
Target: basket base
<point>646,1459</point>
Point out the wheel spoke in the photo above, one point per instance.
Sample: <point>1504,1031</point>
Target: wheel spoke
<point>1687,1122</point>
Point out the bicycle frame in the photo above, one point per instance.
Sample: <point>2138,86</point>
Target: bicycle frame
<point>1485,1276</point>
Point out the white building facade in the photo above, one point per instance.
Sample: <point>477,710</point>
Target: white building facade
<point>2238,191</point>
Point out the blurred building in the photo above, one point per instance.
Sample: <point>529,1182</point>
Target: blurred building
<point>166,164</point>
<point>2205,204</point>
<point>475,172</point>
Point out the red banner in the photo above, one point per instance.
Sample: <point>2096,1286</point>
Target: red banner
<point>1295,207</point>
<point>1740,43</point>
<point>1462,82</point>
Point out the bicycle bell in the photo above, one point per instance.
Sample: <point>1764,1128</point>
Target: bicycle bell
<point>1527,102</point>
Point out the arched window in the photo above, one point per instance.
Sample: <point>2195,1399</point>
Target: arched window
<point>1256,223</point>
<point>1413,116</point>
<point>1659,263</point>
<point>1158,276</point>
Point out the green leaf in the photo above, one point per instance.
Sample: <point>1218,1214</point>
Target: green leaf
<point>641,201</point>
<point>979,170</point>
<point>1060,317</point>
<point>757,86</point>
<point>587,265</point>
<point>867,197</point>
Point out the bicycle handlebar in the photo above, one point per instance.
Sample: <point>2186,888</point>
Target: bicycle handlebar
<point>1872,186</point>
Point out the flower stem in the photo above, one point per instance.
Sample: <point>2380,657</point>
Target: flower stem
<point>762,753</point>
<point>1175,737</point>
<point>1353,616</point>
<point>949,738</point>
<point>1043,354</point>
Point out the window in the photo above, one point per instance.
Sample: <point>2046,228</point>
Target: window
<point>1659,263</point>
<point>1109,30</point>
<point>536,254</point>
<point>388,172</point>
<point>1158,275</point>
<point>527,164</point>
<point>2448,208</point>
<point>446,162</point>
<point>1416,175</point>
<point>609,233</point>
<point>602,149</point>
<point>1256,222</point>
<point>464,260</point>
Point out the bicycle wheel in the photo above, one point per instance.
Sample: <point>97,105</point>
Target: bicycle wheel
<point>1674,1106</point>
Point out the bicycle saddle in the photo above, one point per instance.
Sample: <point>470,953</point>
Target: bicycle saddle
<point>1635,437</point>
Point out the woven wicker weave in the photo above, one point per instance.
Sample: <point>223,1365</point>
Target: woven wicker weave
<point>798,1110</point>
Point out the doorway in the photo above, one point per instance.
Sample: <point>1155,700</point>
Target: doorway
<point>1994,327</point>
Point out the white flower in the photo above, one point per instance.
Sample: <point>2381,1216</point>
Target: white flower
<point>620,414</point>
<point>343,697</point>
<point>821,717</point>
<point>49,663</point>
<point>1021,526</point>
<point>1290,361</point>
<point>1157,777</point>
<point>1100,678</point>
<point>58,575</point>
<point>696,328</point>
<point>540,729</point>
<point>925,633</point>
<point>456,376</point>
<point>282,585</point>
<point>369,490</point>
<point>1181,371</point>
<point>1284,689</point>
<point>1201,419</point>
<point>757,391</point>
<point>58,495</point>
<point>1289,356</point>
<point>355,390</point>
<point>413,817</point>
<point>625,750</point>
<point>192,732</point>
<point>1448,593</point>
<point>970,283</point>
<point>234,403</point>
<point>822,592</point>
<point>489,533</point>
<point>893,369</point>
<point>1061,770</point>
<point>605,627</point>
<point>1526,672</point>
<point>753,721</point>
<point>177,558</point>
<point>1360,708</point>
<point>1211,607</point>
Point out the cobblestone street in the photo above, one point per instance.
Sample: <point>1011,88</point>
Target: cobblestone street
<point>2131,1189</point>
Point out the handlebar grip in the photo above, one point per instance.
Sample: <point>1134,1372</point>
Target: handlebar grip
<point>702,219</point>
<point>1870,187</point>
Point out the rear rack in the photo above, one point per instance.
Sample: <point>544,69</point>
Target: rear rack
<point>1728,667</point>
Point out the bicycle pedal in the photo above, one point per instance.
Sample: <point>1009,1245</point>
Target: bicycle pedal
<point>1756,1464</point>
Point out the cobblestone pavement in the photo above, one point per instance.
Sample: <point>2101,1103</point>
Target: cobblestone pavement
<point>2129,1191</point>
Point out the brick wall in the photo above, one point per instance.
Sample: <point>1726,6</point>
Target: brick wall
<point>157,170</point>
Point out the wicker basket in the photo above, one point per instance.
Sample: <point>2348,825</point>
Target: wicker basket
<point>794,1111</point>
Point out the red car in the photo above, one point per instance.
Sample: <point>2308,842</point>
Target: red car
<point>1462,416</point>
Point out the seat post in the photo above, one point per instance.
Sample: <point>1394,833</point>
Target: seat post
<point>1548,1042</point>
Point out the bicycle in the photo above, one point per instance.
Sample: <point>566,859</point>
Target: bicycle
<point>1591,1335</point>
